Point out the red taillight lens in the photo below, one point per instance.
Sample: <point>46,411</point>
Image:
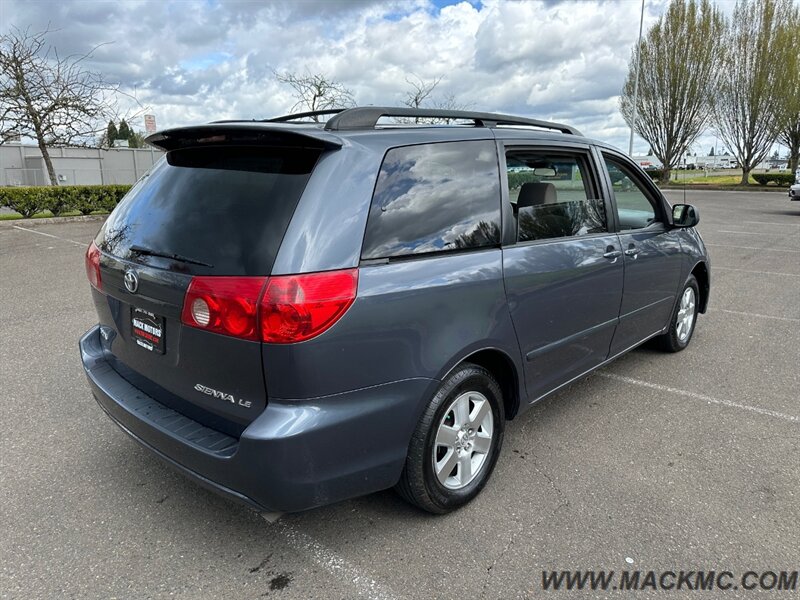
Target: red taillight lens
<point>92,263</point>
<point>292,308</point>
<point>298,307</point>
<point>226,305</point>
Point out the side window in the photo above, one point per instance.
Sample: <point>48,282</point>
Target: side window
<point>634,207</point>
<point>552,195</point>
<point>434,198</point>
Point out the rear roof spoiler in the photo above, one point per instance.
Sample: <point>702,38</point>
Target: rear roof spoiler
<point>243,132</point>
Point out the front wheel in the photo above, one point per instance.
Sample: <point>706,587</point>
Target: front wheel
<point>684,318</point>
<point>456,443</point>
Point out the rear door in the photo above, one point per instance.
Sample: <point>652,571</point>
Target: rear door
<point>562,264</point>
<point>216,211</point>
<point>652,253</point>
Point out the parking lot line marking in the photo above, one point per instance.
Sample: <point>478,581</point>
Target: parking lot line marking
<point>334,564</point>
<point>760,316</point>
<point>753,248</point>
<point>771,223</point>
<point>715,267</point>
<point>750,232</point>
<point>702,397</point>
<point>81,244</point>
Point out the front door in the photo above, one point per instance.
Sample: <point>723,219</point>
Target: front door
<point>652,255</point>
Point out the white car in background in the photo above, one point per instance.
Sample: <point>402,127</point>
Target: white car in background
<point>794,190</point>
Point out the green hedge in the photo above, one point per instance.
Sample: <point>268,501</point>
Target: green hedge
<point>782,179</point>
<point>517,178</point>
<point>86,199</point>
<point>655,174</point>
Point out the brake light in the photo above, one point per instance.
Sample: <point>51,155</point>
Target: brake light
<point>92,263</point>
<point>295,308</point>
<point>226,305</point>
<point>278,310</point>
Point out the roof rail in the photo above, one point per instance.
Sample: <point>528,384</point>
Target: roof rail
<point>303,115</point>
<point>367,117</point>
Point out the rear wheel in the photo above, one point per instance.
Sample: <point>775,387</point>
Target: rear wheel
<point>456,443</point>
<point>684,318</point>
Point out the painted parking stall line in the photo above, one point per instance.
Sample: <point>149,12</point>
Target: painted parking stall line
<point>756,315</point>
<point>793,250</point>
<point>780,274</point>
<point>701,397</point>
<point>752,232</point>
<point>50,235</point>
<point>364,585</point>
<point>770,223</point>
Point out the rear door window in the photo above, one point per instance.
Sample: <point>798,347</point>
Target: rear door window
<point>553,194</point>
<point>435,198</point>
<point>216,210</point>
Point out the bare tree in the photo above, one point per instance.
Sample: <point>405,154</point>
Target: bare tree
<point>678,65</point>
<point>419,95</point>
<point>419,90</point>
<point>54,100</point>
<point>316,92</point>
<point>789,110</point>
<point>753,81</point>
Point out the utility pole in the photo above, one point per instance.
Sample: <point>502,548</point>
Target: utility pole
<point>636,80</point>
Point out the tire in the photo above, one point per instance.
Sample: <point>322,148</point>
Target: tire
<point>682,329</point>
<point>468,415</point>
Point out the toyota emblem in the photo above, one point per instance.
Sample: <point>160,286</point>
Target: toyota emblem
<point>131,281</point>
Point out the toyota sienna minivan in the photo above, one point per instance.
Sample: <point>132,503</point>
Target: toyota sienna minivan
<point>294,313</point>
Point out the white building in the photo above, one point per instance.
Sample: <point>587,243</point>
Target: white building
<point>22,164</point>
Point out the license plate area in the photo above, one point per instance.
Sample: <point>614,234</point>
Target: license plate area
<point>147,330</point>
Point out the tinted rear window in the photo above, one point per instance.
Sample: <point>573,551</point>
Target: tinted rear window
<point>223,208</point>
<point>435,198</point>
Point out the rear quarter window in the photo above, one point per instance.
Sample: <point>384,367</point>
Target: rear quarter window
<point>435,198</point>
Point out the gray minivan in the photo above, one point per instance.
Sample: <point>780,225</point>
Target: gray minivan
<point>294,313</point>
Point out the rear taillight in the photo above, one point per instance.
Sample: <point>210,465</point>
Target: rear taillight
<point>92,263</point>
<point>299,307</point>
<point>226,305</point>
<point>278,310</point>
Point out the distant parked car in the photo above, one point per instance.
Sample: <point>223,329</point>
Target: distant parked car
<point>794,192</point>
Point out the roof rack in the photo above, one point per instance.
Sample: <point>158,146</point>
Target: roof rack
<point>304,115</point>
<point>367,117</point>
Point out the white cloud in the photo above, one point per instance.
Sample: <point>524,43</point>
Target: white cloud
<point>200,60</point>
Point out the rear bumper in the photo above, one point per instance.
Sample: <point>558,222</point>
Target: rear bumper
<point>296,455</point>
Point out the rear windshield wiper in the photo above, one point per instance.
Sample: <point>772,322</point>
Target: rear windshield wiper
<point>148,252</point>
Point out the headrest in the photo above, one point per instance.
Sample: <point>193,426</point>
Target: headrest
<point>535,194</point>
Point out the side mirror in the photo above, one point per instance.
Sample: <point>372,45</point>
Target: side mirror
<point>685,215</point>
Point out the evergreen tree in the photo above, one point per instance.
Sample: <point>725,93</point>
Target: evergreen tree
<point>124,131</point>
<point>111,134</point>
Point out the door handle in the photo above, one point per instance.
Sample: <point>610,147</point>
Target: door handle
<point>632,251</point>
<point>612,254</point>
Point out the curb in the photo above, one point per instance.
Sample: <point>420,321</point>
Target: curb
<point>722,188</point>
<point>53,220</point>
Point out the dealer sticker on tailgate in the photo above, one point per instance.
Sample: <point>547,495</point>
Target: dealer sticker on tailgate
<point>148,330</point>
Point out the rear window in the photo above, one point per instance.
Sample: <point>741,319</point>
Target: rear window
<point>215,210</point>
<point>435,198</point>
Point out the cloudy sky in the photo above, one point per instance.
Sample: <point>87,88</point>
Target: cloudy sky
<point>192,61</point>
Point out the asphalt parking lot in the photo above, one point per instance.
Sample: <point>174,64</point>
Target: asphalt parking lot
<point>658,462</point>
